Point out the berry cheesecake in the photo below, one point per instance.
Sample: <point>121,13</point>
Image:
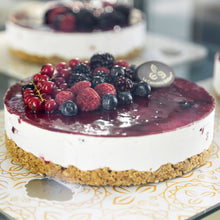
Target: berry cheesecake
<point>55,32</point>
<point>216,77</point>
<point>103,123</point>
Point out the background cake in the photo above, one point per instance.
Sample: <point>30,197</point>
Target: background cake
<point>113,132</point>
<point>216,77</point>
<point>53,32</point>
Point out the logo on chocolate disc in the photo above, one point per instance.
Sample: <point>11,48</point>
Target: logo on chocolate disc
<point>155,73</point>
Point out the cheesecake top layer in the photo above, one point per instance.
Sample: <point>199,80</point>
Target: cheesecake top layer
<point>167,109</point>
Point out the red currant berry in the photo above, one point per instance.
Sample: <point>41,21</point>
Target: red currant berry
<point>27,92</point>
<point>74,62</point>
<point>64,73</point>
<point>63,86</point>
<point>46,96</point>
<point>36,77</point>
<point>35,104</point>
<point>59,80</point>
<point>47,87</point>
<point>43,78</point>
<point>27,99</point>
<point>47,69</point>
<point>50,105</point>
<point>60,66</point>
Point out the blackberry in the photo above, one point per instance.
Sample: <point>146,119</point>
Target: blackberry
<point>109,101</point>
<point>102,60</point>
<point>82,68</point>
<point>97,80</point>
<point>141,89</point>
<point>124,98</point>
<point>85,20</point>
<point>123,83</point>
<point>77,77</point>
<point>106,77</point>
<point>129,73</point>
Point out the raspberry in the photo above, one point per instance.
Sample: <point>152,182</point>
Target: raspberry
<point>88,99</point>
<point>64,96</point>
<point>122,63</point>
<point>52,13</point>
<point>105,88</point>
<point>65,22</point>
<point>77,87</point>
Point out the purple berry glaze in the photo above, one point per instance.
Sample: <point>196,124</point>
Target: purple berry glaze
<point>167,109</point>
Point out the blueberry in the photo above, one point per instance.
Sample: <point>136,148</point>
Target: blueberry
<point>109,101</point>
<point>124,98</point>
<point>97,80</point>
<point>141,89</point>
<point>117,71</point>
<point>29,85</point>
<point>133,67</point>
<point>69,108</point>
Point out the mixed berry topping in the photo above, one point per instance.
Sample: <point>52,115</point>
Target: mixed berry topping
<point>98,84</point>
<point>87,17</point>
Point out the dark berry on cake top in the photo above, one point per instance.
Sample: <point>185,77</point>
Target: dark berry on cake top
<point>98,84</point>
<point>86,17</point>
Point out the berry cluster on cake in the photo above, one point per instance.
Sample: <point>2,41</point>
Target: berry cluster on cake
<point>102,122</point>
<point>52,32</point>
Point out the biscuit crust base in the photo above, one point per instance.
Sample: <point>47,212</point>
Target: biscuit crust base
<point>55,59</point>
<point>103,176</point>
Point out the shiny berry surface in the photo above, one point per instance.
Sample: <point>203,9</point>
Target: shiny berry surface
<point>47,87</point>
<point>50,105</point>
<point>69,108</point>
<point>74,62</point>
<point>35,104</point>
<point>47,69</point>
<point>60,66</point>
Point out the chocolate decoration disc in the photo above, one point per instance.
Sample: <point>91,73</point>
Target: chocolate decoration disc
<point>155,73</point>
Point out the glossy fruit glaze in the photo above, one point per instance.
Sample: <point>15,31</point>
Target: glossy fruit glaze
<point>167,109</point>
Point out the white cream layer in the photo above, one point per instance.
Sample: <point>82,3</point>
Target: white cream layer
<point>216,78</point>
<point>70,45</point>
<point>143,153</point>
